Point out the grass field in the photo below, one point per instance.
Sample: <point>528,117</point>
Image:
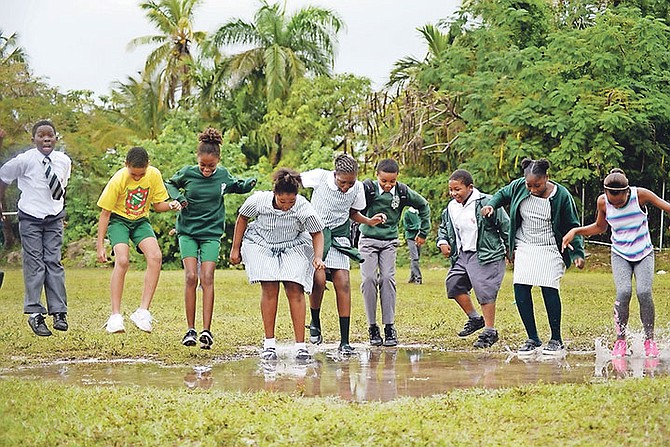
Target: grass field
<point>624,412</point>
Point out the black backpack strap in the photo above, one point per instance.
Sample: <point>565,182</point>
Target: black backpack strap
<point>369,189</point>
<point>402,193</point>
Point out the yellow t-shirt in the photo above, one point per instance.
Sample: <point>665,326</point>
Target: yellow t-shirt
<point>131,199</point>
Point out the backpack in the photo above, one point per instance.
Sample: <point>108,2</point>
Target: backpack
<point>369,188</point>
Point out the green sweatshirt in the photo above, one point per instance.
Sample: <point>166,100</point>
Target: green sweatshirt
<point>563,216</point>
<point>205,216</point>
<point>390,205</point>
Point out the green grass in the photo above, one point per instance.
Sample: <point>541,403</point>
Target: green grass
<point>626,412</point>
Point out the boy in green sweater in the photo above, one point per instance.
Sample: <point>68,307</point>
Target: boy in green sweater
<point>378,246</point>
<point>200,226</point>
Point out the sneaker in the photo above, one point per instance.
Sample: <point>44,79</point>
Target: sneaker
<point>315,334</point>
<point>620,348</point>
<point>553,347</point>
<point>471,326</point>
<point>269,354</point>
<point>418,281</point>
<point>60,321</point>
<point>390,336</point>
<point>529,347</point>
<point>346,349</point>
<point>375,335</point>
<point>650,348</point>
<point>190,338</point>
<point>37,324</point>
<point>115,324</point>
<point>486,339</point>
<point>303,355</point>
<point>142,319</point>
<point>620,364</point>
<point>206,339</point>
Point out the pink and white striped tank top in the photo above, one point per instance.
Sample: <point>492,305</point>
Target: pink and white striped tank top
<point>630,228</point>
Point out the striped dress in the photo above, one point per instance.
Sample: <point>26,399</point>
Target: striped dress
<point>277,245</point>
<point>630,228</point>
<point>332,206</point>
<point>537,261</point>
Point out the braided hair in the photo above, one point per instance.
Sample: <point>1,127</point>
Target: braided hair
<point>210,142</point>
<point>286,181</point>
<point>536,168</point>
<point>346,164</point>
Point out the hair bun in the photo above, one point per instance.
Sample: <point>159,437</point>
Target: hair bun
<point>211,136</point>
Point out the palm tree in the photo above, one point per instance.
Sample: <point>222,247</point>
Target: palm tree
<point>283,48</point>
<point>409,67</point>
<point>10,51</point>
<point>172,58</point>
<point>136,110</point>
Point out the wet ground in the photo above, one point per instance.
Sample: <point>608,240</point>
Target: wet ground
<point>373,374</point>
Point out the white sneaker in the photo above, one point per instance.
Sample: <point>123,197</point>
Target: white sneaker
<point>115,324</point>
<point>142,319</point>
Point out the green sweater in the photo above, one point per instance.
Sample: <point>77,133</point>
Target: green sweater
<point>492,233</point>
<point>412,224</point>
<point>390,205</point>
<point>563,215</point>
<point>205,216</point>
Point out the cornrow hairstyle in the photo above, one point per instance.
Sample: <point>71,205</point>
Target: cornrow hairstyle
<point>210,142</point>
<point>388,165</point>
<point>41,123</point>
<point>346,164</point>
<point>616,181</point>
<point>286,181</point>
<point>537,168</point>
<point>463,176</point>
<point>137,157</point>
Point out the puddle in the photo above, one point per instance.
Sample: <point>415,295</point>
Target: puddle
<point>378,374</point>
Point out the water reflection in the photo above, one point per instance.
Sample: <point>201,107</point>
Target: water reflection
<point>378,374</point>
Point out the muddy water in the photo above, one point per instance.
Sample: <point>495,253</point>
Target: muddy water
<point>371,375</point>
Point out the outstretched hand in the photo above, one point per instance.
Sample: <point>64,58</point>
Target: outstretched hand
<point>487,211</point>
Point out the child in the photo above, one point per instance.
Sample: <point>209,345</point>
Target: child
<point>42,175</point>
<point>125,205</point>
<point>378,246</point>
<point>541,213</point>
<point>412,223</point>
<point>200,225</point>
<point>337,196</point>
<point>476,246</point>
<point>621,207</point>
<point>276,248</point>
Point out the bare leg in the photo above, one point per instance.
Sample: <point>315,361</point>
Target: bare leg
<point>269,300</point>
<point>296,301</point>
<point>121,263</point>
<point>190,284</point>
<point>154,257</point>
<point>207,269</point>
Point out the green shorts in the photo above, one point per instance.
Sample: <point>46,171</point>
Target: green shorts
<point>121,230</point>
<point>191,248</point>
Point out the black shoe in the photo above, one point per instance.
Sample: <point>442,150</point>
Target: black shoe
<point>346,349</point>
<point>418,281</point>
<point>60,321</point>
<point>206,339</point>
<point>314,334</point>
<point>190,339</point>
<point>390,336</point>
<point>36,323</point>
<point>486,339</point>
<point>375,336</point>
<point>471,326</point>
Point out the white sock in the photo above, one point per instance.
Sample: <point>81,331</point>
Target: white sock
<point>270,343</point>
<point>300,346</point>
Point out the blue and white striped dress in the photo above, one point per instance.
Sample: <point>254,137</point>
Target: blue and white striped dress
<point>630,228</point>
<point>277,245</point>
<point>537,261</point>
<point>332,206</point>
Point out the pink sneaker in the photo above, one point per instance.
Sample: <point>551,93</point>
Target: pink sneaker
<point>620,348</point>
<point>650,348</point>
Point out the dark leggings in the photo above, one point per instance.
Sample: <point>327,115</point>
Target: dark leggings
<point>552,301</point>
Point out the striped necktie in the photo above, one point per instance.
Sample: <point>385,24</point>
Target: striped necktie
<point>54,185</point>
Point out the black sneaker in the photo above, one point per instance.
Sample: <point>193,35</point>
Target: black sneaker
<point>303,355</point>
<point>190,339</point>
<point>269,354</point>
<point>486,339</point>
<point>529,347</point>
<point>375,335</point>
<point>206,339</point>
<point>471,326</point>
<point>60,321</point>
<point>36,323</point>
<point>390,336</point>
<point>314,334</point>
<point>346,349</point>
<point>554,347</point>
